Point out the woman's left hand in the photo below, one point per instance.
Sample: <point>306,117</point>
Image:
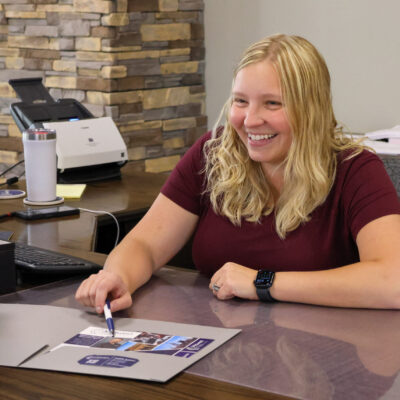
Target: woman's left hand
<point>234,280</point>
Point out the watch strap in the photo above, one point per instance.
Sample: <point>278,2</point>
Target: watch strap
<point>264,294</point>
<point>263,283</point>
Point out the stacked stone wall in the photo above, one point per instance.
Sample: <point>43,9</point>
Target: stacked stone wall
<point>140,62</point>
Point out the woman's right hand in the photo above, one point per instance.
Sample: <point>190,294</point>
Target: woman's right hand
<point>94,291</point>
<point>154,240</point>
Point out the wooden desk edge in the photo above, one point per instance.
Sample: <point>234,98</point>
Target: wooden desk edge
<point>24,383</point>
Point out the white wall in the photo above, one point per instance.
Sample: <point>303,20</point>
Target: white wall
<point>360,40</point>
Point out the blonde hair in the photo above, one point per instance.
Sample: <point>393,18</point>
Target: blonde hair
<point>236,184</point>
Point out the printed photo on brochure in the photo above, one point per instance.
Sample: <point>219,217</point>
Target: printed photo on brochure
<point>145,342</point>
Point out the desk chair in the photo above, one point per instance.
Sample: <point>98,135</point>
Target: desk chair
<point>392,165</point>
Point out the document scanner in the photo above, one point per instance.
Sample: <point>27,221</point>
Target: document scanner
<point>88,148</point>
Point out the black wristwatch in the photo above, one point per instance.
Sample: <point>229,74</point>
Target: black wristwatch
<point>263,282</point>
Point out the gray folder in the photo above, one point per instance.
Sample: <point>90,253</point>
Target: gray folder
<point>31,335</point>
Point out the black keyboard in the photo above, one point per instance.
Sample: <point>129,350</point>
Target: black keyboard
<point>35,259</point>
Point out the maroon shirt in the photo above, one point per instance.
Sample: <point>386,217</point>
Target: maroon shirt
<point>362,192</point>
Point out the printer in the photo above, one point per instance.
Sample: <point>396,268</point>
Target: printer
<point>88,149</point>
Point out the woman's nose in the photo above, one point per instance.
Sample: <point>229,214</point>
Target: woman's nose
<point>253,117</point>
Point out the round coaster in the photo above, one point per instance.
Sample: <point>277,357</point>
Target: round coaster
<point>57,200</point>
<point>11,193</point>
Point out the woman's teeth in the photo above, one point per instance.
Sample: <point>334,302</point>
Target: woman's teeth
<point>261,137</point>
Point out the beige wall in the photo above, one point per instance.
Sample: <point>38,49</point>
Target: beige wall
<point>360,40</point>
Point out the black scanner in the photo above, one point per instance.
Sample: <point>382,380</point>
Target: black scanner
<point>38,106</point>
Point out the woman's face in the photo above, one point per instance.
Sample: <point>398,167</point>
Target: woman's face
<point>258,115</point>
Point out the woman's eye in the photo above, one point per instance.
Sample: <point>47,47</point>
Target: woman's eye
<point>238,100</point>
<point>273,104</point>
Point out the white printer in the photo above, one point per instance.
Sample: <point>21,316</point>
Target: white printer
<point>88,149</point>
<point>87,143</point>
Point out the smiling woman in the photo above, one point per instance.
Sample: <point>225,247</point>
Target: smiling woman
<point>280,205</point>
<point>281,88</point>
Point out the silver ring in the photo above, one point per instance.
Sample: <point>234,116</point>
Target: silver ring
<point>216,287</point>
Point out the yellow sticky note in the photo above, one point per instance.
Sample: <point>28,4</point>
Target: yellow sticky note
<point>73,191</point>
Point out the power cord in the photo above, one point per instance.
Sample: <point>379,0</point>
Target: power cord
<point>10,168</point>
<point>11,214</point>
<point>10,181</point>
<point>107,213</point>
<point>13,179</point>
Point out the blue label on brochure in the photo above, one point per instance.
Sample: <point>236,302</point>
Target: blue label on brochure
<point>108,361</point>
<point>194,348</point>
<point>198,345</point>
<point>185,354</point>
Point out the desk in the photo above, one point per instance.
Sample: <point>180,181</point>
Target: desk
<point>128,199</point>
<point>291,350</point>
<point>134,192</point>
<point>284,350</point>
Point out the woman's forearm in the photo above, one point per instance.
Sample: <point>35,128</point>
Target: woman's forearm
<point>132,262</point>
<point>368,284</point>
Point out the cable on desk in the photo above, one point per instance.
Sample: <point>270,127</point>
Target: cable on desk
<point>13,179</point>
<point>10,181</point>
<point>111,215</point>
<point>12,166</point>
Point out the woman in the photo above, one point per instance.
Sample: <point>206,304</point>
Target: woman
<point>278,189</point>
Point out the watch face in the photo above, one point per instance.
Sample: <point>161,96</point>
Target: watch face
<point>264,278</point>
<point>262,281</point>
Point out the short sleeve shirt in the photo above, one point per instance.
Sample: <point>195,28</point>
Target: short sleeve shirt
<point>362,192</point>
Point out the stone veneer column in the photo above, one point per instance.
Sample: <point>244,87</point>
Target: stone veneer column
<point>139,61</point>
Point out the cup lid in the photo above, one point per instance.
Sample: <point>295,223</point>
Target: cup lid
<point>39,134</point>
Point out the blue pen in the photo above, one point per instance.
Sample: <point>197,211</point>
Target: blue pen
<point>109,318</point>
